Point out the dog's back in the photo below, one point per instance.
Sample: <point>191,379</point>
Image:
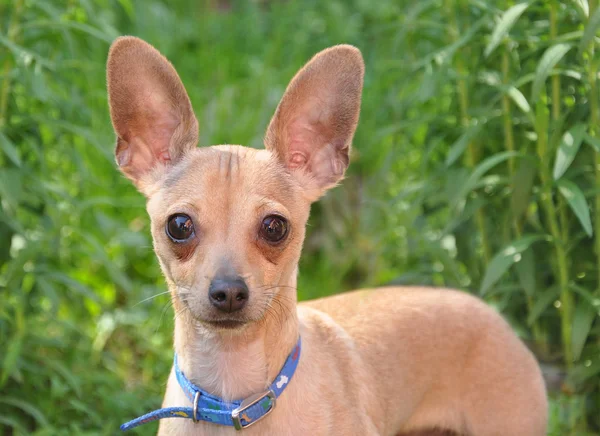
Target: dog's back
<point>442,358</point>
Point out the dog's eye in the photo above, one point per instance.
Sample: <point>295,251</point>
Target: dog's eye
<point>180,227</point>
<point>274,229</point>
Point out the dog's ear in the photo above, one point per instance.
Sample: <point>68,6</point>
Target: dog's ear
<point>312,129</point>
<point>150,110</point>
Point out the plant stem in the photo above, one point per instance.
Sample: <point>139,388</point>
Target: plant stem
<point>509,141</point>
<point>563,264</point>
<point>594,120</point>
<point>562,209</point>
<point>509,144</point>
<point>566,313</point>
<point>560,227</point>
<point>472,156</point>
<point>556,77</point>
<point>13,30</point>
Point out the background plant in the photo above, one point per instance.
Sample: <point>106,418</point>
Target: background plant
<point>476,165</point>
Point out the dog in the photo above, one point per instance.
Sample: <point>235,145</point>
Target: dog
<point>228,224</point>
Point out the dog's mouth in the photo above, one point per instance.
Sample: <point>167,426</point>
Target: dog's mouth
<point>225,324</point>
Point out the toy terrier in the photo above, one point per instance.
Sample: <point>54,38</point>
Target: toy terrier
<point>228,223</point>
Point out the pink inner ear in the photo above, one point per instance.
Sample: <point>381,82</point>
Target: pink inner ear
<point>306,134</point>
<point>300,148</point>
<point>297,159</point>
<point>149,135</point>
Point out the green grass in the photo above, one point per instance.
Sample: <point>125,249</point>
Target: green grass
<point>476,166</point>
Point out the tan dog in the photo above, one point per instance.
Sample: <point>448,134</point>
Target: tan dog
<point>228,224</point>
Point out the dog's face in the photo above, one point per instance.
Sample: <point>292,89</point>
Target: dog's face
<point>228,222</point>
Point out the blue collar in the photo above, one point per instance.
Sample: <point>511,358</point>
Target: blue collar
<point>239,414</point>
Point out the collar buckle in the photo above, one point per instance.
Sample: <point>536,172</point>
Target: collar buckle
<point>195,409</point>
<point>264,403</point>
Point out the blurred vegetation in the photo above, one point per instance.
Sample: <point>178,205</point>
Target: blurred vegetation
<point>476,166</point>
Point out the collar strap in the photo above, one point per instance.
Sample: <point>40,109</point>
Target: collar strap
<point>206,407</point>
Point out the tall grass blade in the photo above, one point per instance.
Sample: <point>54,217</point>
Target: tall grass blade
<point>9,149</point>
<point>590,31</point>
<point>507,21</point>
<point>458,148</point>
<point>519,99</point>
<point>549,59</point>
<point>567,149</point>
<point>576,200</point>
<point>26,407</point>
<point>502,261</point>
<point>583,319</point>
<point>479,171</point>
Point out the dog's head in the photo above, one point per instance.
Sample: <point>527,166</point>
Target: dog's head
<point>228,222</point>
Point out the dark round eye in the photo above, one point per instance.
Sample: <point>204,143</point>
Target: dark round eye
<point>180,227</point>
<point>274,228</point>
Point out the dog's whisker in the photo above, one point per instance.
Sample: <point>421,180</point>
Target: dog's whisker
<point>271,286</point>
<point>167,305</point>
<point>150,298</point>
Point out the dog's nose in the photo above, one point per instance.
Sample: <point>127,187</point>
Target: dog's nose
<point>228,294</point>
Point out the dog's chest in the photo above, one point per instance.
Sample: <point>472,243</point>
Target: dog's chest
<point>311,405</point>
<point>234,374</point>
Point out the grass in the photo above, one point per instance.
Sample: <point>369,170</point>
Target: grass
<point>476,166</point>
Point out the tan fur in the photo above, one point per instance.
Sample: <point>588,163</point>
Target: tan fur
<point>389,361</point>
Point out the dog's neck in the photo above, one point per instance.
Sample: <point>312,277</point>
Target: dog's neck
<point>235,365</point>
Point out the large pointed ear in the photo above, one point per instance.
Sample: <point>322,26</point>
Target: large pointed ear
<point>312,129</point>
<point>150,110</point>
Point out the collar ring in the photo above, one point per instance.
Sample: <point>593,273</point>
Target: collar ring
<point>195,410</point>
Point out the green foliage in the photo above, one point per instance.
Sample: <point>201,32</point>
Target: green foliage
<point>458,179</point>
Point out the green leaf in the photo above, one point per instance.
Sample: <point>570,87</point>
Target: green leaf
<point>526,272</point>
<point>72,285</point>
<point>582,373</point>
<point>567,149</point>
<point>549,59</point>
<point>26,407</point>
<point>571,192</point>
<point>92,416</point>
<point>593,141</point>
<point>12,422</point>
<point>9,149</point>
<point>479,171</point>
<point>522,184</point>
<point>23,53</point>
<point>67,375</point>
<point>557,132</point>
<point>585,294</point>
<point>542,118</point>
<point>502,261</point>
<point>583,319</point>
<point>458,148</point>
<point>13,351</point>
<point>583,7</point>
<point>428,87</point>
<point>545,299</point>
<point>519,99</point>
<point>447,53</point>
<point>590,31</point>
<point>507,21</point>
<point>11,186</point>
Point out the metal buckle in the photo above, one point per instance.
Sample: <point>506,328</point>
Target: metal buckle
<point>195,415</point>
<point>237,414</point>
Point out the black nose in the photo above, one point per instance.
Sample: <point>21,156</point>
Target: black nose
<point>228,294</point>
